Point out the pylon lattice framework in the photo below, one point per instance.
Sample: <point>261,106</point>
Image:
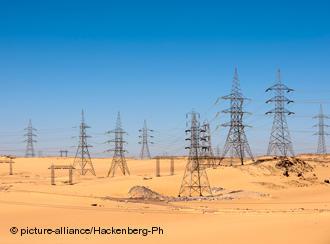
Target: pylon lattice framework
<point>195,180</point>
<point>82,161</point>
<point>118,160</point>
<point>30,135</point>
<point>206,142</point>
<point>321,133</point>
<point>280,143</point>
<point>145,138</point>
<point>236,143</point>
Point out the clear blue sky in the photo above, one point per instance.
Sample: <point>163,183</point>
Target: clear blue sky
<point>156,60</point>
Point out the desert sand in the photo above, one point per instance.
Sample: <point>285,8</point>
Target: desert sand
<point>255,203</point>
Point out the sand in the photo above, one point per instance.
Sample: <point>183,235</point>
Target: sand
<point>254,204</point>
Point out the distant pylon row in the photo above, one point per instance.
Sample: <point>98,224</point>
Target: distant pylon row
<point>83,163</point>
<point>236,145</point>
<point>280,143</point>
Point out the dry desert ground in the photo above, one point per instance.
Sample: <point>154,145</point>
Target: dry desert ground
<point>254,203</point>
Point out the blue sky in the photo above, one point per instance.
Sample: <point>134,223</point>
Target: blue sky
<point>156,60</point>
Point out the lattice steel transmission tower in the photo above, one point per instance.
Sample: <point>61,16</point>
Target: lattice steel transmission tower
<point>145,138</point>
<point>30,135</point>
<point>280,143</point>
<point>206,142</point>
<point>82,161</point>
<point>118,160</point>
<point>321,147</point>
<point>195,180</point>
<point>236,143</point>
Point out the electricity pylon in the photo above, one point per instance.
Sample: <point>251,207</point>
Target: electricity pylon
<point>321,147</point>
<point>236,143</point>
<point>206,142</point>
<point>30,135</point>
<point>118,160</point>
<point>82,161</point>
<point>280,143</point>
<point>145,141</point>
<point>195,180</point>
